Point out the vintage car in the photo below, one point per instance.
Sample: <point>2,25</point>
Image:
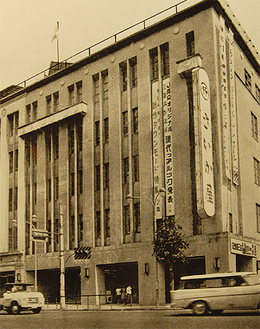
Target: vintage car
<point>217,292</point>
<point>19,297</point>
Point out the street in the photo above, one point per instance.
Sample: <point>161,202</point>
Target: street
<point>128,319</point>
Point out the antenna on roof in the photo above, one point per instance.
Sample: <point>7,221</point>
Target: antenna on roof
<point>56,36</point>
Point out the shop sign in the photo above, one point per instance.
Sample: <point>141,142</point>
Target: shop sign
<point>168,151</point>
<point>157,147</point>
<point>243,248</point>
<point>203,144</point>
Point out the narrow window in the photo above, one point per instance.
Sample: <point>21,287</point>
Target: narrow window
<point>16,122</point>
<point>106,130</point>
<point>16,160</point>
<point>254,126</point>
<point>230,223</point>
<point>49,189</point>
<point>257,171</point>
<point>56,144</point>
<point>126,220</point>
<point>97,178</point>
<point>105,84</point>
<point>258,217</point>
<point>133,71</point>
<point>107,223</point>
<point>79,134</point>
<point>96,88</point>
<point>28,113</point>
<point>135,120</point>
<point>125,123</point>
<point>56,188</point>
<point>123,75</point>
<point>125,171</point>
<point>27,153</point>
<point>10,199</point>
<point>48,147</point>
<point>80,184</point>
<point>56,102</point>
<point>72,231</point>
<point>190,44</point>
<point>154,64</point>
<point>35,193</point>
<point>11,162</point>
<point>71,95</point>
<point>35,110</point>
<point>79,91</point>
<point>248,80</point>
<point>15,197</point>
<point>34,150</point>
<point>71,138</point>
<point>72,183</point>
<point>106,176</point>
<point>257,93</point>
<point>136,168</point>
<point>48,105</point>
<point>11,125</point>
<point>165,59</point>
<point>80,228</point>
<point>98,224</point>
<point>28,194</point>
<point>97,133</point>
<point>137,218</point>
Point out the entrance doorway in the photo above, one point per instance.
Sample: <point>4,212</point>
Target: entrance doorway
<point>244,263</point>
<point>121,276</point>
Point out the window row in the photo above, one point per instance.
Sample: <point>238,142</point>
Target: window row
<point>248,84</point>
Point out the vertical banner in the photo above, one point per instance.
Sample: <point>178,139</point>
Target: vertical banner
<point>233,110</point>
<point>203,144</point>
<point>157,147</point>
<point>168,155</point>
<point>224,100</point>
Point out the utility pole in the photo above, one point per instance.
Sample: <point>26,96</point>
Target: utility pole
<point>62,263</point>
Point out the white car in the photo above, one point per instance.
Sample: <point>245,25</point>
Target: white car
<point>19,297</point>
<point>217,292</point>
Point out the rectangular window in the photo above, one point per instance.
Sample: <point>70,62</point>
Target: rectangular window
<point>48,105</point>
<point>48,147</point>
<point>123,76</point>
<point>254,126</point>
<point>11,124</point>
<point>97,178</point>
<point>35,193</point>
<point>137,218</point>
<point>125,171</point>
<point>35,110</point>
<point>98,224</point>
<point>10,199</point>
<point>49,189</point>
<point>71,138</point>
<point>34,150</point>
<point>106,176</point>
<point>125,123</point>
<point>257,171</point>
<point>135,120</point>
<point>106,130</point>
<point>80,184</point>
<point>28,113</point>
<point>96,88</point>
<point>71,95</point>
<point>230,223</point>
<point>107,223</point>
<point>79,134</point>
<point>257,93</point>
<point>15,197</point>
<point>126,220</point>
<point>133,71</point>
<point>136,168</point>
<point>28,194</point>
<point>79,91</point>
<point>16,160</point>
<point>248,82</point>
<point>72,183</point>
<point>105,84</point>
<point>258,217</point>
<point>56,144</point>
<point>154,64</point>
<point>165,59</point>
<point>80,228</point>
<point>11,162</point>
<point>27,153</point>
<point>16,122</point>
<point>72,231</point>
<point>190,44</point>
<point>97,133</point>
<point>56,102</point>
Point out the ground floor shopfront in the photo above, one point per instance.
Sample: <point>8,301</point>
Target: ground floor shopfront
<point>98,279</point>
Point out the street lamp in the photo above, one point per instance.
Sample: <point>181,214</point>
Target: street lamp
<point>153,203</point>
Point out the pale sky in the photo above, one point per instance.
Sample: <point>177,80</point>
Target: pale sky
<point>27,27</point>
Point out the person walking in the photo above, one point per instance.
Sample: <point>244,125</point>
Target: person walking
<point>118,295</point>
<point>129,294</point>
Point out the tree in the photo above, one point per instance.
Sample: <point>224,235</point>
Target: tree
<point>170,246</point>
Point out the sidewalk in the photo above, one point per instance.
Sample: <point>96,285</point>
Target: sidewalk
<point>105,307</point>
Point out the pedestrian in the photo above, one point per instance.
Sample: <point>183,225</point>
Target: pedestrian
<point>129,294</point>
<point>118,295</point>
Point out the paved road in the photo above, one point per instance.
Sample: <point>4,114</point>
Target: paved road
<point>128,319</point>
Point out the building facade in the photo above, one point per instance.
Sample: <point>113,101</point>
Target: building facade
<point>161,123</point>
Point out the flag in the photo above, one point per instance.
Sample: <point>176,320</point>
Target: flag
<point>56,32</point>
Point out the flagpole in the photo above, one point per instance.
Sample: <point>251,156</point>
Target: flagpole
<point>58,51</point>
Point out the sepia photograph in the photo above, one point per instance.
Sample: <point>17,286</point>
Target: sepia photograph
<point>130,164</point>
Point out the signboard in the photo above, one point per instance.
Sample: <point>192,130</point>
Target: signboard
<point>168,152</point>
<point>157,147</point>
<point>233,110</point>
<point>243,248</point>
<point>224,100</point>
<point>203,144</point>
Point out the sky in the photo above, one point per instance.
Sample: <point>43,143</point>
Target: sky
<point>27,28</point>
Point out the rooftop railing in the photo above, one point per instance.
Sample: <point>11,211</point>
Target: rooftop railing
<point>176,8</point>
